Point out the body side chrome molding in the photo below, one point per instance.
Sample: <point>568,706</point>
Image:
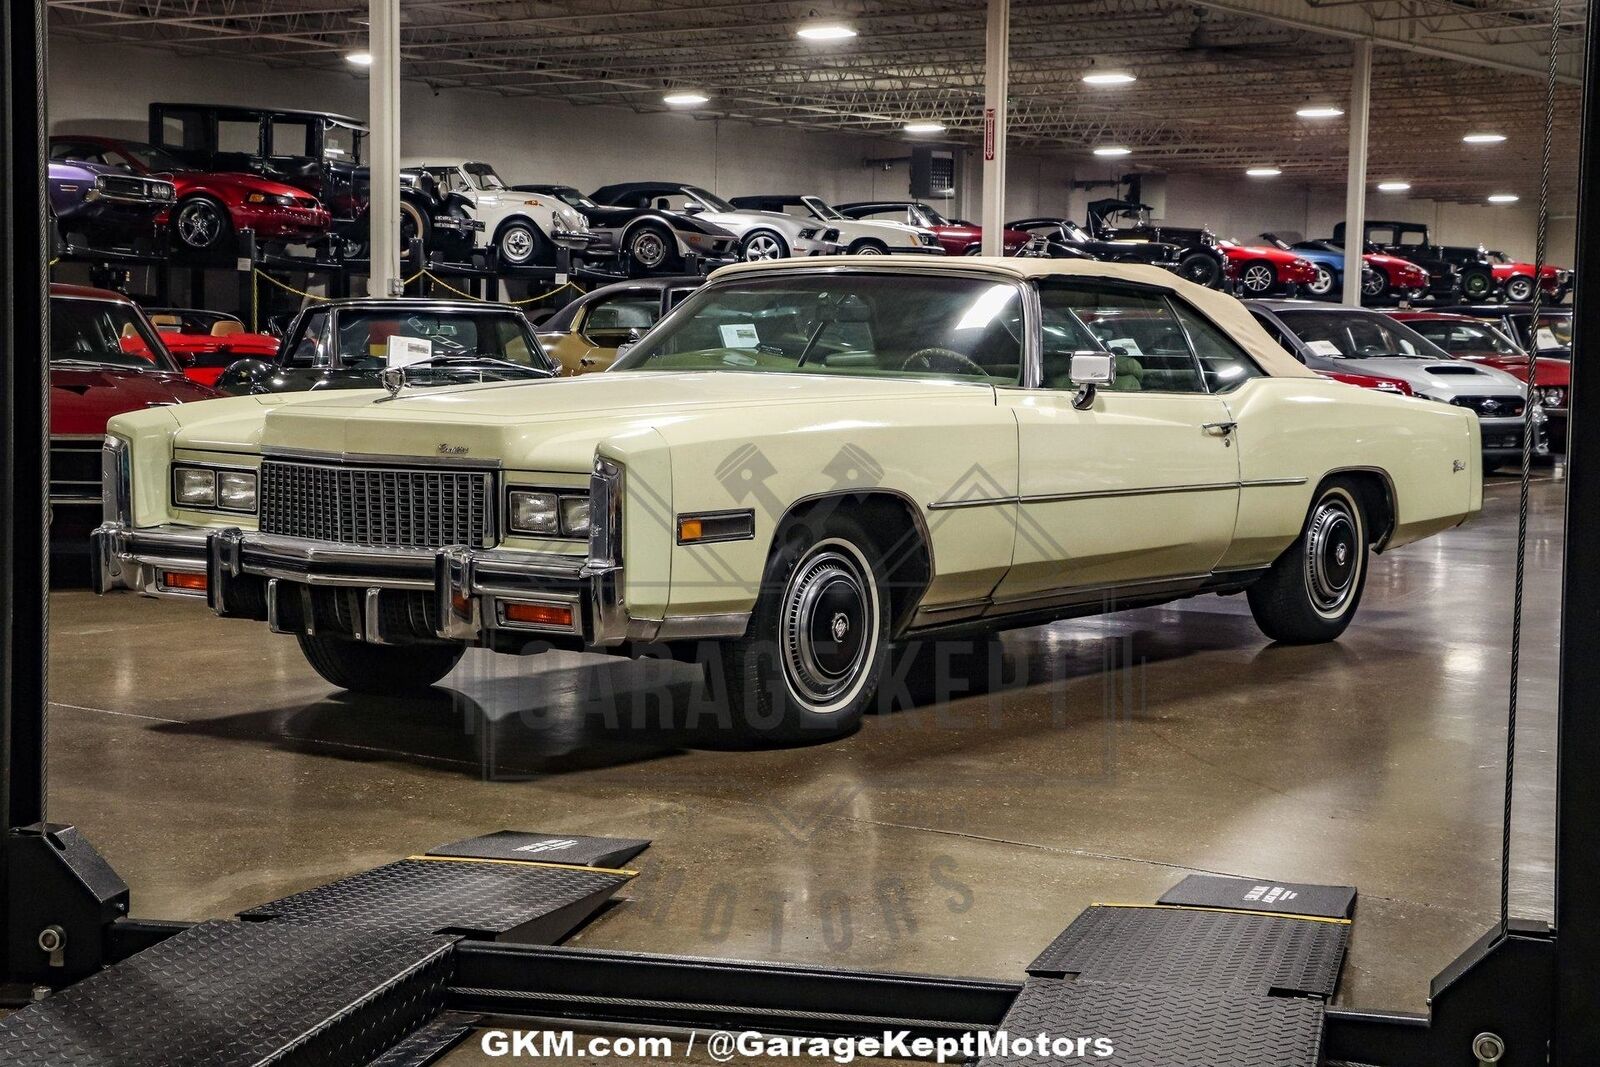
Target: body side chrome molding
<point>1090,494</point>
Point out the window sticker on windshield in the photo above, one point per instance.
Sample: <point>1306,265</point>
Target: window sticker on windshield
<point>740,335</point>
<point>1324,348</point>
<point>1545,337</point>
<point>1129,346</point>
<point>404,351</point>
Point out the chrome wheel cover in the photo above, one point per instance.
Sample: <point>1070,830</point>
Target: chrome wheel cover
<point>1519,290</point>
<point>1258,279</point>
<point>516,244</point>
<point>1335,554</point>
<point>869,250</point>
<point>1322,284</point>
<point>648,249</point>
<point>199,224</point>
<point>1372,284</point>
<point>828,626</point>
<point>762,246</point>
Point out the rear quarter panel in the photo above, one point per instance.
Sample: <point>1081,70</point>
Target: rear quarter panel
<point>1294,428</point>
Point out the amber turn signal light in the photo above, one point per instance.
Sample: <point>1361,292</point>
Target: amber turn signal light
<point>690,530</point>
<point>539,614</point>
<point>195,583</point>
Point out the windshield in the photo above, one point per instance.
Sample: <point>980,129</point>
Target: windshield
<point>370,338</point>
<point>930,217</point>
<point>712,201</point>
<point>106,332</point>
<point>1074,231</point>
<point>1500,257</point>
<point>1358,335</point>
<point>342,142</point>
<point>820,209</point>
<point>483,176</point>
<point>1555,331</point>
<point>571,197</point>
<point>878,325</point>
<point>1465,337</point>
<point>152,158</point>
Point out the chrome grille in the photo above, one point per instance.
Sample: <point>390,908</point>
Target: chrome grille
<point>75,469</point>
<point>1491,407</point>
<point>393,507</point>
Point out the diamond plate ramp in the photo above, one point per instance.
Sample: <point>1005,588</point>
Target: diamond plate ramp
<point>484,899</point>
<point>552,848</point>
<point>1150,1026</point>
<point>427,1044</point>
<point>226,994</point>
<point>1251,894</point>
<point>1188,947</point>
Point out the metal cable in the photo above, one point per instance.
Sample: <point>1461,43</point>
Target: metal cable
<point>1527,465</point>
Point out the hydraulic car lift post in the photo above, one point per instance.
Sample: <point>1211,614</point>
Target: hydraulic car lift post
<point>1532,989</point>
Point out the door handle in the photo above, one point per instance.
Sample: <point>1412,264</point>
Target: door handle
<point>1218,429</point>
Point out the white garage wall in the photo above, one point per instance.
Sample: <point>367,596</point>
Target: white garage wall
<point>106,88</point>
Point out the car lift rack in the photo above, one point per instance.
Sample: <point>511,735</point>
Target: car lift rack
<point>391,966</point>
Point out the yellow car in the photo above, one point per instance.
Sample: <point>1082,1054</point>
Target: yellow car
<point>585,335</point>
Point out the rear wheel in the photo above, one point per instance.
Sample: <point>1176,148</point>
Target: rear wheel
<point>390,670</point>
<point>1519,289</point>
<point>1311,592</point>
<point>809,662</point>
<point>1476,284</point>
<point>1200,269</point>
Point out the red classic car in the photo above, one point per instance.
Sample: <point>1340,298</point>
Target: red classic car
<point>105,358</point>
<point>206,343</point>
<point>1472,339</point>
<point>211,206</point>
<point>1515,279</point>
<point>1261,269</point>
<point>956,236</point>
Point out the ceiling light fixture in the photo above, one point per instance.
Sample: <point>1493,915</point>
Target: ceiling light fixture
<point>685,99</point>
<point>1503,198</point>
<point>1484,138</point>
<point>360,59</point>
<point>924,127</point>
<point>825,31</point>
<point>1320,111</point>
<point>1263,172</point>
<point>1110,77</point>
<point>1393,187</point>
<point>1112,151</point>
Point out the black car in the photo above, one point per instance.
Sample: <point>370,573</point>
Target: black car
<point>348,344</point>
<point>1199,258</point>
<point>1553,335</point>
<point>1454,271</point>
<point>653,239</point>
<point>1065,239</point>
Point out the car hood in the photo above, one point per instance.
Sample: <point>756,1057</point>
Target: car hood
<point>560,421</point>
<point>83,398</point>
<point>1438,377</point>
<point>245,183</point>
<point>897,232</point>
<point>1383,259</point>
<point>1547,371</point>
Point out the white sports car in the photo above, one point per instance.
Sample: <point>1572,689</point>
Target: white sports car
<point>524,229</point>
<point>859,237</point>
<point>762,234</point>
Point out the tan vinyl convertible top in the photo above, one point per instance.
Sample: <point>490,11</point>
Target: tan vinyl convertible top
<point>1226,311</point>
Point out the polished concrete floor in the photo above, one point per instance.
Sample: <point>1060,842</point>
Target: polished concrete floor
<point>216,771</point>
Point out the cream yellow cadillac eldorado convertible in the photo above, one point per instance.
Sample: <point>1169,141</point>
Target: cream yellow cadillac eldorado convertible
<point>804,467</point>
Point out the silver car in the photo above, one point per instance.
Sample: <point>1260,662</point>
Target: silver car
<point>1355,340</point>
<point>762,234</point>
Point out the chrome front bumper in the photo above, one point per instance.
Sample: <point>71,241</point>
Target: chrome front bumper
<point>455,594</point>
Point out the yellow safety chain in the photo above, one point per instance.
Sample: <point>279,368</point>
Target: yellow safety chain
<point>529,300</point>
<point>255,290</point>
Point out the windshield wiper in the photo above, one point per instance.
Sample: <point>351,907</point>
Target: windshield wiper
<point>457,361</point>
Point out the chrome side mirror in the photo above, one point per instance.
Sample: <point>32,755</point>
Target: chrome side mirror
<point>1090,370</point>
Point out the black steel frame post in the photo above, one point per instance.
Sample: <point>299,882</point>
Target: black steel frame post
<point>1577,861</point>
<point>24,425</point>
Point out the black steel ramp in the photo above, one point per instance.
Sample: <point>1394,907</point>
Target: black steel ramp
<point>351,973</point>
<point>1207,984</point>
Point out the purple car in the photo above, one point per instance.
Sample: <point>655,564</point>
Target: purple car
<point>106,207</point>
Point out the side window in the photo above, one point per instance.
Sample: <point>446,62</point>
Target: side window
<point>291,137</point>
<point>609,322</point>
<point>1138,328</point>
<point>243,137</point>
<point>310,350</point>
<point>183,128</point>
<point>1226,366</point>
<point>1277,335</point>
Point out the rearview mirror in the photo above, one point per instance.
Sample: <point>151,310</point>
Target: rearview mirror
<point>1089,371</point>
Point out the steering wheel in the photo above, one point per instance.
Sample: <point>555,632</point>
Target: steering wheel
<point>927,356</point>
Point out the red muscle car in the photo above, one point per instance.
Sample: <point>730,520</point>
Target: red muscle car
<point>206,343</point>
<point>1515,279</point>
<point>1369,381</point>
<point>105,358</point>
<point>956,236</point>
<point>1258,270</point>
<point>1472,339</point>
<point>210,206</point>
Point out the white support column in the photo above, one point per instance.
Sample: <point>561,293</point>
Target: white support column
<point>997,81</point>
<point>1355,195</point>
<point>383,147</point>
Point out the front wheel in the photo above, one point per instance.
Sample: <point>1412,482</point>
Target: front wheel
<point>518,244</point>
<point>651,248</point>
<point>763,244</point>
<point>1310,593</point>
<point>387,670</point>
<point>1374,286</point>
<point>414,224</point>
<point>1258,279</point>
<point>201,224</point>
<point>810,660</point>
<point>1519,290</point>
<point>1201,269</point>
<point>869,248</point>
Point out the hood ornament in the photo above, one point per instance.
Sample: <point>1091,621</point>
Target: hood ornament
<point>394,380</point>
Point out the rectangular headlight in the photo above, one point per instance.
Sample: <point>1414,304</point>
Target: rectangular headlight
<point>236,490</point>
<point>194,486</point>
<point>575,516</point>
<point>534,512</point>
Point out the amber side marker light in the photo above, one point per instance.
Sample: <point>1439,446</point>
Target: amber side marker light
<point>690,530</point>
<point>539,614</point>
<point>195,583</point>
